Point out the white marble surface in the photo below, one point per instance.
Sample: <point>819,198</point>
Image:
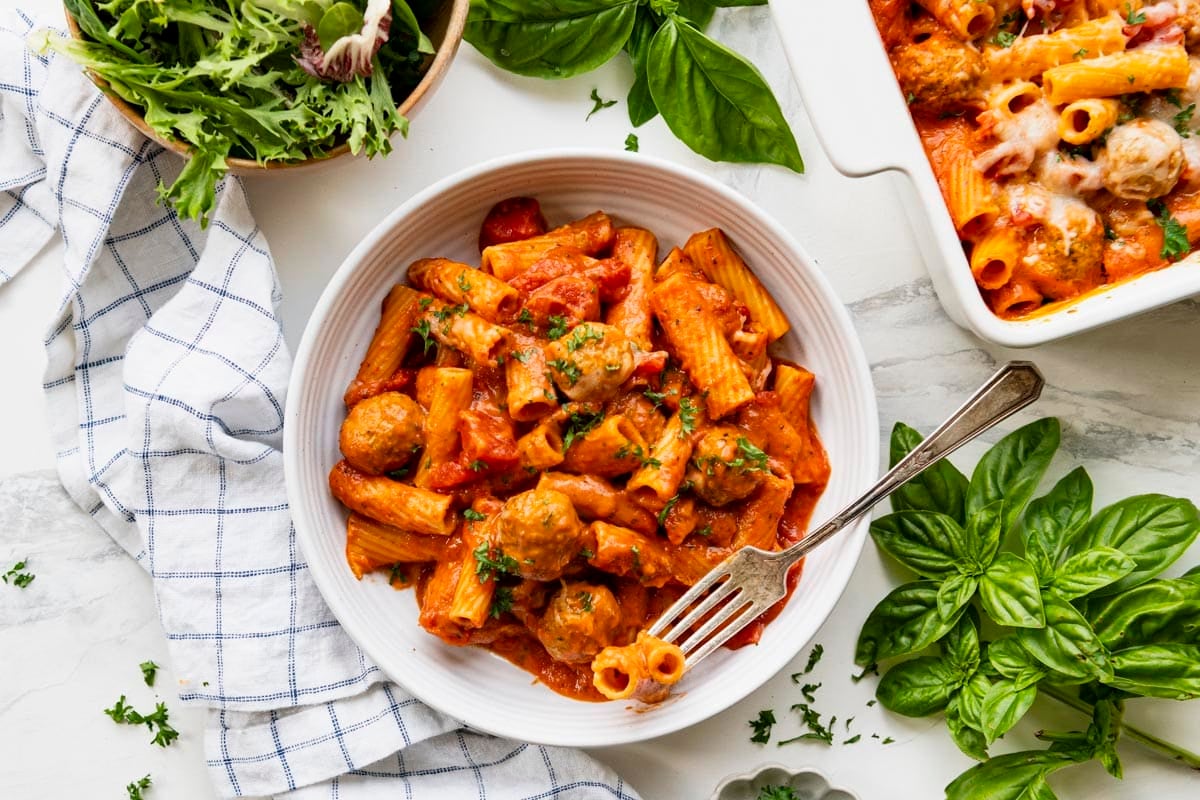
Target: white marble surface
<point>71,642</point>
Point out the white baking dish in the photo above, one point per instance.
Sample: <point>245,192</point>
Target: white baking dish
<point>862,121</point>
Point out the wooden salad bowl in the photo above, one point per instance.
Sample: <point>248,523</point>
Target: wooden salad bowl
<point>445,31</point>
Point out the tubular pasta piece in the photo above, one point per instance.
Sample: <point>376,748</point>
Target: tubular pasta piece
<point>391,502</point>
<point>472,598</point>
<point>593,497</point>
<point>712,251</point>
<point>444,392</point>
<point>530,391</point>
<point>466,331</point>
<point>1143,69</point>
<point>392,337</point>
<point>793,386</point>
<point>638,249</point>
<point>487,295</point>
<point>614,447</point>
<point>590,235</point>
<point>1015,299</point>
<point>660,476</point>
<point>623,551</point>
<point>617,671</point>
<point>541,448</point>
<point>371,545</point>
<point>758,522</point>
<point>967,18</point>
<point>995,256</point>
<point>1029,56</point>
<point>644,670</point>
<point>1084,120</point>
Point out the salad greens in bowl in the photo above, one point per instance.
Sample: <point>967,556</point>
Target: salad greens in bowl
<point>246,85</point>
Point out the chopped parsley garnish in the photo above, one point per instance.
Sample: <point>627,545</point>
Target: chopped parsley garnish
<point>687,416</point>
<point>1183,121</point>
<point>750,457</point>
<point>582,335</point>
<point>888,740</point>
<point>637,557</point>
<point>813,657</point>
<point>853,739</point>
<point>631,143</point>
<point>149,671</point>
<point>502,600</point>
<point>598,103</point>
<point>558,326</point>
<point>397,474</point>
<point>569,369</point>
<point>1133,17</point>
<point>425,302</point>
<point>1175,239</point>
<point>655,397</point>
<point>135,789</point>
<point>705,531</point>
<point>1109,233</point>
<point>165,734</point>
<point>1173,97</point>
<point>422,330</point>
<point>520,355</point>
<point>662,515</point>
<point>478,465</point>
<point>486,566</point>
<point>585,600</point>
<point>473,515</point>
<point>812,720</point>
<point>773,792</point>
<point>586,553</point>
<point>19,579</point>
<point>462,282</point>
<point>1004,39</point>
<point>871,702</point>
<point>762,726</point>
<point>808,690</point>
<point>1080,53</point>
<point>397,573</point>
<point>578,424</point>
<point>525,317</point>
<point>910,98</point>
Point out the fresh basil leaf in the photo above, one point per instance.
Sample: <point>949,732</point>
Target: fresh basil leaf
<point>1194,572</point>
<point>970,700</point>
<point>1067,643</point>
<point>1104,732</point>
<point>905,621</point>
<point>1152,529</point>
<point>1004,706</point>
<point>342,19</point>
<point>640,103</point>
<point>918,687</point>
<point>954,594</point>
<point>968,739</point>
<point>1053,521</point>
<point>984,534</point>
<point>1085,572</point>
<point>699,12</point>
<point>1012,469</point>
<point>715,101</point>
<point>1157,612</point>
<point>928,543</point>
<point>550,38</point>
<point>1009,658</point>
<point>1158,670</point>
<point>1013,776</point>
<point>960,647</point>
<point>403,15</point>
<point>939,487</point>
<point>1010,593</point>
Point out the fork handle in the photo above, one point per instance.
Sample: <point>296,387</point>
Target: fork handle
<point>1014,386</point>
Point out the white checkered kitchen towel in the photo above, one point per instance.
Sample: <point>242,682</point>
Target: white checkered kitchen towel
<point>165,383</point>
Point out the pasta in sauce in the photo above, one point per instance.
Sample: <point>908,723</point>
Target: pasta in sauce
<point>552,447</point>
<point>1061,134</point>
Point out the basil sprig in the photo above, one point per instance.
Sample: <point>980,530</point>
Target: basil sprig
<point>713,99</point>
<point>1078,611</point>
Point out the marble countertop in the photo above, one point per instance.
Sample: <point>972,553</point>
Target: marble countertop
<point>1128,395</point>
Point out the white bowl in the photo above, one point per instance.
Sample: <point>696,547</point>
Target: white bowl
<point>808,784</point>
<point>471,684</point>
<point>874,132</point>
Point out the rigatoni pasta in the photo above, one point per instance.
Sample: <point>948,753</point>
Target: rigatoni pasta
<point>550,449</point>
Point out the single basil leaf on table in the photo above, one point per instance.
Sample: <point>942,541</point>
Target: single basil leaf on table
<point>1066,644</point>
<point>1004,706</point>
<point>928,543</point>
<point>1013,776</point>
<point>1157,612</point>
<point>550,38</point>
<point>1053,520</point>
<point>919,687</point>
<point>1090,570</point>
<point>1158,670</point>
<point>1012,468</point>
<point>1152,529</point>
<point>1010,593</point>
<point>984,532</point>
<point>905,621</point>
<point>960,647</point>
<point>968,739</point>
<point>954,594</point>
<point>715,101</point>
<point>402,14</point>
<point>639,102</point>
<point>939,487</point>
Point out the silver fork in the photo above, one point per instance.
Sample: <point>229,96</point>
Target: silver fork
<point>751,580</point>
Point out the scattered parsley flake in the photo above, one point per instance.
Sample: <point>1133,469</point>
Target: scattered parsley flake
<point>655,397</point>
<point>520,355</point>
<point>579,424</point>
<point>631,143</point>
<point>397,474</point>
<point>871,669</point>
<point>855,739</point>
<point>1183,121</point>
<point>19,579</point>
<point>1173,97</point>
<point>1004,39</point>
<point>775,792</point>
<point>586,553</point>
<point>582,335</point>
<point>598,103</point>
<point>478,465</point>
<point>462,282</point>
<point>149,671</point>
<point>422,329</point>
<point>705,531</point>
<point>165,734</point>
<point>871,702</point>
<point>1175,239</point>
<point>473,515</point>
<point>762,726</point>
<point>750,457</point>
<point>812,720</point>
<point>662,515</point>
<point>569,369</point>
<point>585,600</point>
<point>1133,17</point>
<point>397,572</point>
<point>136,788</point>
<point>1080,53</point>
<point>525,317</point>
<point>502,600</point>
<point>424,303</point>
<point>809,691</point>
<point>687,416</point>
<point>818,650</point>
<point>558,326</point>
<point>910,98</point>
<point>486,566</point>
<point>888,740</point>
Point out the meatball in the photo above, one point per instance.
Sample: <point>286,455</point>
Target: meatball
<point>724,466</point>
<point>580,621</point>
<point>1066,256</point>
<point>1189,22</point>
<point>381,433</point>
<point>1142,159</point>
<point>540,531</point>
<point>591,362</point>
<point>939,74</point>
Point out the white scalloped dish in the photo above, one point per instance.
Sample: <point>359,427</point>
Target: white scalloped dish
<point>471,684</point>
<point>806,784</point>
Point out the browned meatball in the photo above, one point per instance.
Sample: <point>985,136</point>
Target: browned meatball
<point>724,467</point>
<point>1142,159</point>
<point>591,362</point>
<point>540,531</point>
<point>1066,264</point>
<point>381,433</point>
<point>939,73</point>
<point>580,621</point>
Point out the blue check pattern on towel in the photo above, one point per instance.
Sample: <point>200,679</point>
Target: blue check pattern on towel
<point>165,382</point>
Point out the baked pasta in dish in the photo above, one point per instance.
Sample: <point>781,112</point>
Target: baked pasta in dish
<point>553,446</point>
<point>1061,133</point>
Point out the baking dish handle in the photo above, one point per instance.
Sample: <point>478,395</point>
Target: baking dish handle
<point>847,84</point>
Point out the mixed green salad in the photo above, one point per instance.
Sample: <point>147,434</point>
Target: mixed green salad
<point>269,80</point>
